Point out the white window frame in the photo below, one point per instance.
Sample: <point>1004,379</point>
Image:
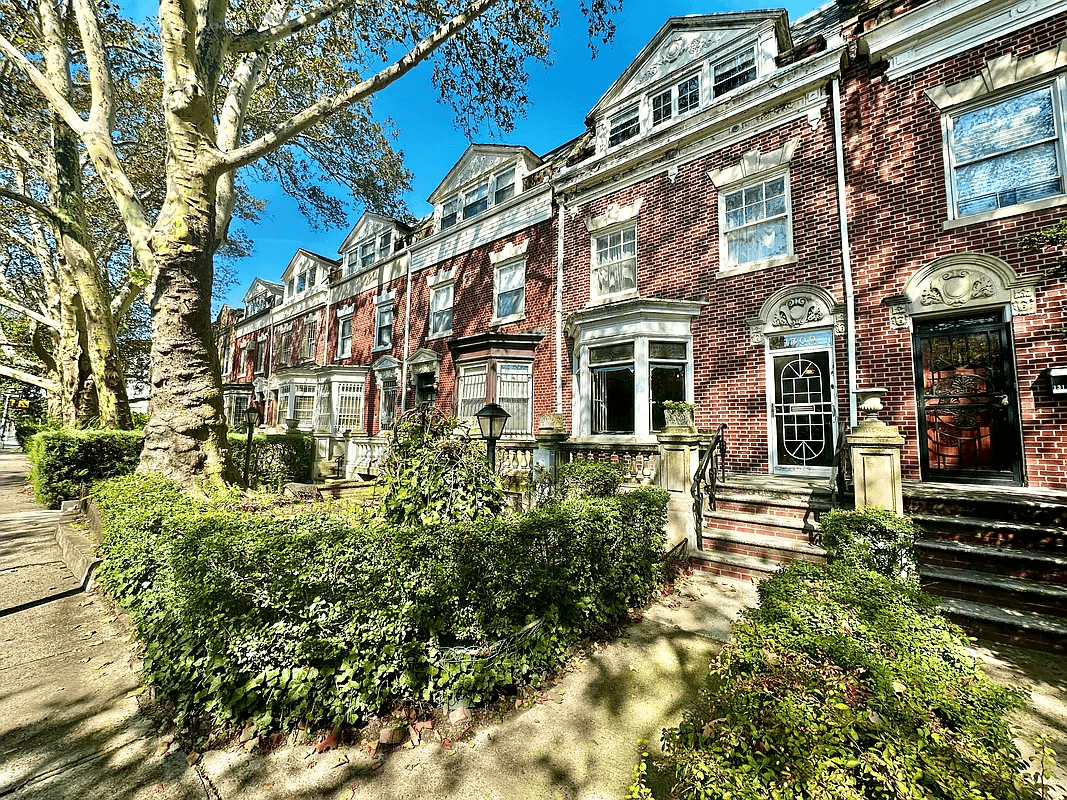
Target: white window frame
<point>454,208</point>
<point>261,356</point>
<point>436,291</point>
<point>1058,89</point>
<point>596,266</point>
<point>673,95</point>
<point>368,253</point>
<point>464,380</point>
<point>348,408</point>
<point>624,119</point>
<point>379,310</point>
<point>726,264</point>
<point>450,213</point>
<point>344,350</point>
<point>750,47</point>
<point>510,264</point>
<point>309,345</point>
<point>515,425</point>
<point>304,390</point>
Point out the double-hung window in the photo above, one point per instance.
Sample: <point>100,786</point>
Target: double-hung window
<point>449,213</point>
<point>623,126</point>
<point>733,71</point>
<point>304,403</point>
<point>1007,152</point>
<point>349,406</point>
<point>310,335</point>
<point>504,186</point>
<point>509,289</point>
<point>281,411</point>
<point>367,254</point>
<point>441,298</point>
<point>284,346</point>
<point>344,338</point>
<point>676,101</point>
<point>385,242</point>
<point>615,261</point>
<point>261,356</point>
<point>476,200</point>
<point>756,224</point>
<point>514,392</point>
<point>383,329</point>
<point>472,389</point>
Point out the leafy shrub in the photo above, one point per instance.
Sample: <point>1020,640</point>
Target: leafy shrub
<point>62,460</point>
<point>846,684</point>
<point>587,479</point>
<point>277,459</point>
<point>874,539</point>
<point>316,617</point>
<point>26,426</point>
<point>434,473</point>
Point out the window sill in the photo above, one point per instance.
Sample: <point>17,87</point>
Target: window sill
<point>505,320</point>
<point>1010,211</point>
<point>756,266</point>
<point>382,349</point>
<point>439,335</point>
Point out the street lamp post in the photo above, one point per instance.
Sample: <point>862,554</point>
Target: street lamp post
<point>492,419</point>
<point>251,417</point>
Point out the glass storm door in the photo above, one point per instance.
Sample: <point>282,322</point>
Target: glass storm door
<point>803,412</point>
<point>968,406</point>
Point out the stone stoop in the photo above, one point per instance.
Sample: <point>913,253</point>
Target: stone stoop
<point>760,523</point>
<point>996,558</point>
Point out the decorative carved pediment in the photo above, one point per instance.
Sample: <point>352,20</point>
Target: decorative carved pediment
<point>796,308</point>
<point>424,360</point>
<point>962,281</point>
<point>676,52</point>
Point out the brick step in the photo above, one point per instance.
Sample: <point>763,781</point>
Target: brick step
<point>799,508</point>
<point>731,565</point>
<point>766,487</point>
<point>1009,626</point>
<point>1020,505</point>
<point>981,587</point>
<point>762,524</point>
<point>1004,561</point>
<point>762,546</point>
<point>994,533</point>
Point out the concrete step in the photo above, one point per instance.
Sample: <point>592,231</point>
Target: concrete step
<point>1004,561</point>
<point>992,532</point>
<point>982,587</point>
<point>731,565</point>
<point>1002,504</point>
<point>1007,625</point>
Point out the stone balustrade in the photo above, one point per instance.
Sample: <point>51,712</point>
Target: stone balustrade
<point>639,462</point>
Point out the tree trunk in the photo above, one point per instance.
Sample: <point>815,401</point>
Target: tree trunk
<point>185,439</point>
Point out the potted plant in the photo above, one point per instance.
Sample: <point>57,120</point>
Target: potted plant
<point>677,414</point>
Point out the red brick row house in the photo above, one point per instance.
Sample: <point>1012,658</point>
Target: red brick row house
<point>760,219</point>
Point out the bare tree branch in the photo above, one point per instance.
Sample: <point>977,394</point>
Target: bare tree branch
<point>102,108</point>
<point>33,380</point>
<point>29,312</point>
<point>25,200</point>
<point>252,41</point>
<point>56,100</point>
<point>329,105</point>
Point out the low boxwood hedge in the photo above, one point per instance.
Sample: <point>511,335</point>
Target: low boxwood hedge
<point>62,460</point>
<point>319,617</point>
<point>845,684</point>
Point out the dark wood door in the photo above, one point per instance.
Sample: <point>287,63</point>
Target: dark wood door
<point>968,402</point>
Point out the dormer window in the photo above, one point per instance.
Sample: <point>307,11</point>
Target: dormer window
<point>676,101</point>
<point>734,71</point>
<point>384,242</point>
<point>477,199</point>
<point>624,126</point>
<point>367,254</point>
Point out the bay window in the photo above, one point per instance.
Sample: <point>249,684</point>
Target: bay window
<point>472,389</point>
<point>349,406</point>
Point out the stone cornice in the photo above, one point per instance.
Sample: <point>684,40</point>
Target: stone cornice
<point>1000,73</point>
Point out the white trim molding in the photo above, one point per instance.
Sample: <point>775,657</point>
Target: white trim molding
<point>508,252</point>
<point>614,215</point>
<point>1000,73</point>
<point>798,307</point>
<point>753,163</point>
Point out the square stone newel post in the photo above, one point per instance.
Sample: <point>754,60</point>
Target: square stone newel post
<point>874,448</point>
<point>546,456</point>
<point>679,454</point>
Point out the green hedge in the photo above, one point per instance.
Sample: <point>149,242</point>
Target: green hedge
<point>26,426</point>
<point>318,617</point>
<point>277,459</point>
<point>846,684</point>
<point>62,460</point>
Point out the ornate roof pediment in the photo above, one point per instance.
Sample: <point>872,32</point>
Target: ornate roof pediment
<point>683,41</point>
<point>259,286</point>
<point>478,160</point>
<point>305,259</point>
<point>369,224</point>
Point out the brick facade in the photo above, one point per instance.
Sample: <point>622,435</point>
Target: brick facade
<point>673,183</point>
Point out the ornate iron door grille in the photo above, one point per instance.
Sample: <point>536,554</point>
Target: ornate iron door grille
<point>968,406</point>
<point>803,410</point>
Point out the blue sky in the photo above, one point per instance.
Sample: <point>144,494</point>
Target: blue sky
<point>561,95</point>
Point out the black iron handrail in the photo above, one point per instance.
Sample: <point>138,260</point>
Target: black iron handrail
<point>839,470</point>
<point>712,464</point>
